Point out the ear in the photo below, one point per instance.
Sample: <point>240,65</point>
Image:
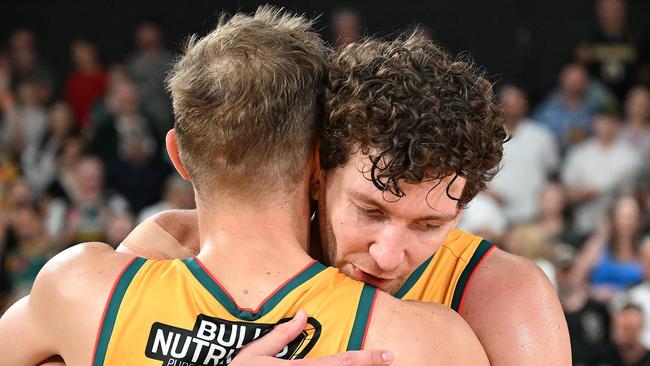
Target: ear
<point>317,173</point>
<point>172,151</point>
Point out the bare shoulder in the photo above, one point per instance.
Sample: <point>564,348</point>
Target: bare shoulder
<point>180,224</point>
<point>70,293</point>
<point>89,269</point>
<point>514,310</point>
<point>165,235</point>
<point>422,334</point>
<point>506,279</point>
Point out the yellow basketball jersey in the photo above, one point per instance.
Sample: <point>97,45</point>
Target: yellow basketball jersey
<point>175,313</point>
<point>443,278</point>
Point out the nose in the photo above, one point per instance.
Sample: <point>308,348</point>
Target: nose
<point>388,249</point>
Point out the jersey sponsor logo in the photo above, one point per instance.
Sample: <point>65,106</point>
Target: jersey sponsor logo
<point>215,341</point>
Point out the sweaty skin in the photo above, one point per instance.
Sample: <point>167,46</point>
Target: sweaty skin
<point>509,304</point>
<point>65,308</point>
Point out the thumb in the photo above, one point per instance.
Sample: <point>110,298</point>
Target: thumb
<point>273,342</point>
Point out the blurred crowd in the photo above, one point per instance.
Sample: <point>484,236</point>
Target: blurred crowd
<point>81,155</point>
<point>82,158</point>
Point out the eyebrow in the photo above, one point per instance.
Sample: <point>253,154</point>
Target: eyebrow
<point>382,205</point>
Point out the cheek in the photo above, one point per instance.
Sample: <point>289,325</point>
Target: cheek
<point>353,234</point>
<point>426,245</point>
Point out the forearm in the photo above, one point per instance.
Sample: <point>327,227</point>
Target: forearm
<point>22,343</point>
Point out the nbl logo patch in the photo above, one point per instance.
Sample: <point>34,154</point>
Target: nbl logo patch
<point>215,341</point>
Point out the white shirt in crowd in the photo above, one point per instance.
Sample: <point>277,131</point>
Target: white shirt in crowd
<point>528,158</point>
<point>483,215</point>
<point>610,170</point>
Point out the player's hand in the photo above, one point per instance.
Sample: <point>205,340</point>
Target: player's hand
<point>261,352</point>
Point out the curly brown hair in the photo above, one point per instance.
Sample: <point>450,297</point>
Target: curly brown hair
<point>418,113</point>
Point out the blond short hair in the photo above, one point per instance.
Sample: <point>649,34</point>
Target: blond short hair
<point>247,101</point>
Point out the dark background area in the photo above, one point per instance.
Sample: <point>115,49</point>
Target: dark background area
<point>519,41</point>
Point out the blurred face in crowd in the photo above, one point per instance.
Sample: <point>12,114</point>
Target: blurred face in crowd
<point>627,216</point>
<point>347,27</point>
<point>552,201</point>
<point>124,99</point>
<point>376,237</point>
<point>148,36</point>
<point>515,105</point>
<point>84,54</point>
<point>26,223</point>
<point>626,328</point>
<point>574,80</point>
<point>60,119</point>
<point>117,74</point>
<point>611,15</point>
<point>118,227</point>
<point>180,194</point>
<point>606,128</point>
<point>28,94</point>
<point>637,106</point>
<point>90,177</point>
<point>22,50</point>
<point>70,153</point>
<point>20,194</point>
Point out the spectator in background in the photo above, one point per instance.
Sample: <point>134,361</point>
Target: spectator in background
<point>9,173</point>
<point>347,27</point>
<point>122,126</point>
<point>39,161</point>
<point>87,83</point>
<point>552,216</point>
<point>598,170</point>
<point>568,111</point>
<point>626,348</point>
<point>529,241</point>
<point>147,68</point>
<point>640,294</point>
<point>61,192</point>
<point>178,195</point>
<point>529,157</point>
<point>610,48</point>
<point>636,130</point>
<point>25,122</point>
<point>485,217</point>
<point>30,251</point>
<point>118,228</point>
<point>26,67</point>
<point>588,320</point>
<point>87,217</point>
<point>610,259</point>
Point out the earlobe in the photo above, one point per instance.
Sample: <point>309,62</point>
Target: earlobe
<point>317,174</point>
<point>172,151</point>
<point>315,186</point>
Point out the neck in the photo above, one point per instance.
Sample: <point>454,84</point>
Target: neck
<point>613,29</point>
<point>253,248</point>
<point>632,354</point>
<point>228,226</point>
<point>88,68</point>
<point>624,248</point>
<point>637,123</point>
<point>606,141</point>
<point>572,100</point>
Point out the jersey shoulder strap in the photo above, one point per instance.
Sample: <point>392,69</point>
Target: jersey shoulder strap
<point>112,308</point>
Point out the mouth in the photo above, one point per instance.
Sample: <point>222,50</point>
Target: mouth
<point>378,282</point>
